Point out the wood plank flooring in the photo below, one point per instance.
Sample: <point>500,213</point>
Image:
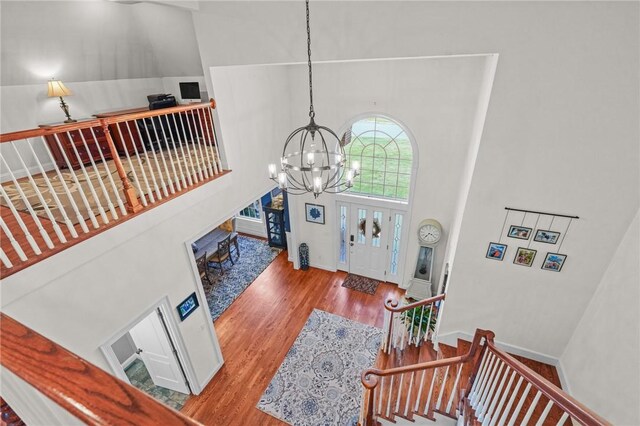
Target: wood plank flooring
<point>258,329</point>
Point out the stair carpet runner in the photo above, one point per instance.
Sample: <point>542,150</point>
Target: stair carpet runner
<point>407,401</point>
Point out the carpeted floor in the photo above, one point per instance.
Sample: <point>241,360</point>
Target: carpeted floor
<point>255,256</point>
<point>359,283</point>
<point>139,377</point>
<point>318,382</point>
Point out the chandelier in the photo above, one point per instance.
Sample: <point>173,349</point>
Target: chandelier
<point>313,158</point>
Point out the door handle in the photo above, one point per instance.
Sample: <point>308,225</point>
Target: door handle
<point>139,351</point>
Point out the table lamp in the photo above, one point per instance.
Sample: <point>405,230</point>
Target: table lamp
<point>57,89</point>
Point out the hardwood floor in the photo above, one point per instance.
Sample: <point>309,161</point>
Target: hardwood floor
<point>258,329</point>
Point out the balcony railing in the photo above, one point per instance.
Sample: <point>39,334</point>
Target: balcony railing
<point>62,184</point>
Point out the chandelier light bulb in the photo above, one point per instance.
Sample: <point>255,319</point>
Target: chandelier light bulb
<point>311,159</point>
<point>317,185</point>
<point>282,180</point>
<point>338,158</point>
<point>355,165</point>
<point>272,171</point>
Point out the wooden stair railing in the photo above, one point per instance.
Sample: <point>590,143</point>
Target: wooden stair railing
<point>84,390</point>
<point>409,324</point>
<point>496,389</point>
<point>62,184</point>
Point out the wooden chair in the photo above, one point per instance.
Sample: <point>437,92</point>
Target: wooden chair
<point>234,240</point>
<point>203,269</point>
<point>221,255</point>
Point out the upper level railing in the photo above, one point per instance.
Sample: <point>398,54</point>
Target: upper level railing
<point>485,385</point>
<point>409,324</point>
<point>61,184</point>
<point>84,390</point>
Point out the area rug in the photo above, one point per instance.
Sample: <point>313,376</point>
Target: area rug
<point>255,256</point>
<point>359,283</point>
<point>99,179</point>
<point>139,377</point>
<point>318,382</point>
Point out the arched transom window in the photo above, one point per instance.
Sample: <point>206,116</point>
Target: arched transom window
<point>384,151</point>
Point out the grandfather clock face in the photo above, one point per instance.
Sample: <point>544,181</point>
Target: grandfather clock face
<point>429,234</point>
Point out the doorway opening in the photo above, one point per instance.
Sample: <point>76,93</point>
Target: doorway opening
<point>146,356</point>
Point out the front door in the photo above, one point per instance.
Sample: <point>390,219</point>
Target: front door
<point>157,354</point>
<point>368,239</point>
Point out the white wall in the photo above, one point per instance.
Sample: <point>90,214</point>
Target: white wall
<point>601,359</point>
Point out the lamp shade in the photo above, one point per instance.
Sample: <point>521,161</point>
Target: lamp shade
<point>56,89</point>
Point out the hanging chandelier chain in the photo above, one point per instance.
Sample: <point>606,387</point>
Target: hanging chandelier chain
<point>311,111</point>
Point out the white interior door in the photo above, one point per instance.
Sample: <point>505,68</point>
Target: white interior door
<point>368,241</point>
<point>150,336</point>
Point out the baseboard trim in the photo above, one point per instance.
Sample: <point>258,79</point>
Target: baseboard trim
<point>451,339</point>
<point>325,267</point>
<point>129,361</point>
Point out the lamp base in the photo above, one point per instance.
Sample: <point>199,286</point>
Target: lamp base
<point>70,120</point>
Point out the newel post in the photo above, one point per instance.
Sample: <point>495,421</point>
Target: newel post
<point>133,204</point>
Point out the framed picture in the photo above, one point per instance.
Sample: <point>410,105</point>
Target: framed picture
<point>315,213</point>
<point>549,237</point>
<point>519,232</point>
<point>553,262</point>
<point>524,256</point>
<point>496,251</point>
<point>187,306</point>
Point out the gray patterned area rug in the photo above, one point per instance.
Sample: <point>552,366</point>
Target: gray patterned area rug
<point>255,256</point>
<point>360,283</point>
<point>318,382</point>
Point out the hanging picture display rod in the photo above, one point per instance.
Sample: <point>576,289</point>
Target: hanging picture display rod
<point>539,236</point>
<point>542,213</point>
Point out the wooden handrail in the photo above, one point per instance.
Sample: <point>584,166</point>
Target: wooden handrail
<point>551,391</point>
<point>85,124</point>
<point>392,304</point>
<point>84,390</point>
<point>371,382</point>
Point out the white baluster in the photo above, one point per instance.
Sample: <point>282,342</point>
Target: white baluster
<point>197,137</point>
<point>479,373</point>
<point>502,400</point>
<point>544,414</point>
<point>215,138</point>
<point>380,395</point>
<point>484,403</point>
<point>27,205</point>
<point>475,400</point>
<point>197,148</point>
<point>163,154</point>
<point>413,322</point>
<point>105,193</point>
<point>164,121</point>
<point>140,163</point>
<point>516,411</point>
<point>419,337</point>
<point>389,398</point>
<point>505,413</point>
<point>163,185</point>
<point>494,401</point>
<point>197,172</point>
<point>177,154</point>
<point>527,416</point>
<point>114,188</point>
<point>5,260</point>
<point>103,214</point>
<point>72,201</point>
<point>406,407</point>
<point>186,160</point>
<point>442,386</point>
<point>455,387</point>
<point>415,407</point>
<point>23,227</point>
<point>54,194</point>
<point>136,180</point>
<point>16,246</point>
<point>210,139</point>
<point>427,406</point>
<point>562,419</point>
<point>403,329</point>
<point>426,336</point>
<point>204,141</point>
<point>38,193</point>
<point>399,395</point>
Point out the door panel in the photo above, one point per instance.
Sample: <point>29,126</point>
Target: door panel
<point>368,241</point>
<point>157,354</point>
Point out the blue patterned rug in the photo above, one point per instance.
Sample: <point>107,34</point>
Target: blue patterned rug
<point>318,382</point>
<point>255,256</point>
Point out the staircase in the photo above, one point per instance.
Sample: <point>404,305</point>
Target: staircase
<point>471,384</point>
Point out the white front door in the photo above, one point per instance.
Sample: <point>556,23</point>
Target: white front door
<point>157,354</point>
<point>368,239</point>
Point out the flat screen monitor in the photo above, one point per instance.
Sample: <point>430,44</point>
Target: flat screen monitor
<point>190,91</point>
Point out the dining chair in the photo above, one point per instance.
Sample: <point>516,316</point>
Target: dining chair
<point>203,269</point>
<point>234,241</point>
<point>221,255</point>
